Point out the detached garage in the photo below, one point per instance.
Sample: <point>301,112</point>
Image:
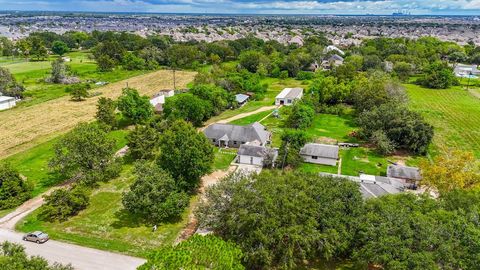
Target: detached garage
<point>7,102</point>
<point>288,96</point>
<point>320,154</point>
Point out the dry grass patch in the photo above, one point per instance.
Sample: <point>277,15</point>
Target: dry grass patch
<point>21,128</point>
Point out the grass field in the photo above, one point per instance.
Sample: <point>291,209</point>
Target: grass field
<point>106,225</point>
<point>454,113</point>
<point>32,74</point>
<point>25,127</point>
<point>33,163</point>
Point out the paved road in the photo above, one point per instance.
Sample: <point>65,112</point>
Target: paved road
<point>81,258</point>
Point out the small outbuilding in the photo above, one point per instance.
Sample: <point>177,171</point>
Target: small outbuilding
<point>320,154</point>
<point>241,99</point>
<point>255,154</point>
<point>288,96</point>
<point>7,102</point>
<point>404,173</point>
<point>158,99</point>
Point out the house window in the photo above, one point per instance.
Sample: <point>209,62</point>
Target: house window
<point>289,101</point>
<point>234,142</point>
<point>314,157</point>
<point>213,140</point>
<point>243,142</point>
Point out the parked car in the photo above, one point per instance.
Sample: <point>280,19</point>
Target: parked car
<point>37,237</point>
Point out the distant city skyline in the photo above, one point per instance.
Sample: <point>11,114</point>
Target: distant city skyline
<point>340,7</point>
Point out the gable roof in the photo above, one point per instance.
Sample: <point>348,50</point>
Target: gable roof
<point>403,172</point>
<point>320,150</point>
<point>240,98</point>
<point>291,93</point>
<point>335,57</point>
<point>250,133</point>
<point>252,150</point>
<point>6,99</point>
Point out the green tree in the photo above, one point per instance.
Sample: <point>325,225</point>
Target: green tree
<point>84,151</point>
<point>198,252</point>
<point>37,48</point>
<point>79,92</point>
<point>154,195</point>
<point>106,111</point>
<point>62,204</point>
<point>404,129</point>
<point>281,219</point>
<point>189,108</point>
<point>143,142</point>
<point>186,154</point>
<point>301,116</point>
<point>403,70</point>
<point>217,96</point>
<point>292,142</point>
<point>438,76</point>
<point>59,47</point>
<point>13,257</point>
<point>8,84</point>
<point>14,190</point>
<point>133,62</point>
<point>59,71</point>
<point>133,106</point>
<point>250,60</point>
<point>105,63</point>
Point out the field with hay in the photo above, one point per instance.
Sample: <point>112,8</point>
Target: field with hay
<point>26,126</point>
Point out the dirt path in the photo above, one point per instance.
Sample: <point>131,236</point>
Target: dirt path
<point>207,181</point>
<point>24,127</point>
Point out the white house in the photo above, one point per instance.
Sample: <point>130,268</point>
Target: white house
<point>159,99</point>
<point>255,154</point>
<point>466,71</point>
<point>320,154</point>
<point>333,48</point>
<point>288,96</point>
<point>7,102</point>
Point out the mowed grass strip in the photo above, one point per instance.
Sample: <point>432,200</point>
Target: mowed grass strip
<point>24,127</point>
<point>454,113</point>
<point>106,225</point>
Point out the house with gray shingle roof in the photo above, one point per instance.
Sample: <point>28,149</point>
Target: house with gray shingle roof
<point>227,135</point>
<point>320,154</point>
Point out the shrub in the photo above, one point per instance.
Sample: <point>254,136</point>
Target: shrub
<point>13,189</point>
<point>64,203</point>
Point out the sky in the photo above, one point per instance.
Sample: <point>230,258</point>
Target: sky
<point>416,7</point>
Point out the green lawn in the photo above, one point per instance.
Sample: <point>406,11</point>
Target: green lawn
<point>33,163</point>
<point>454,113</point>
<point>33,73</point>
<point>331,129</point>
<point>106,225</point>
<point>223,158</point>
<point>251,119</point>
<point>275,86</point>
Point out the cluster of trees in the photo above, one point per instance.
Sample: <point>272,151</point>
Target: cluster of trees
<point>301,218</point>
<point>13,257</point>
<point>173,156</point>
<point>86,156</point>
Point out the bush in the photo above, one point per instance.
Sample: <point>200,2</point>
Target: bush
<point>283,74</point>
<point>63,203</point>
<point>301,116</point>
<point>438,76</point>
<point>198,252</point>
<point>383,145</point>
<point>79,91</point>
<point>154,195</point>
<point>13,189</point>
<point>305,75</point>
<point>106,111</point>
